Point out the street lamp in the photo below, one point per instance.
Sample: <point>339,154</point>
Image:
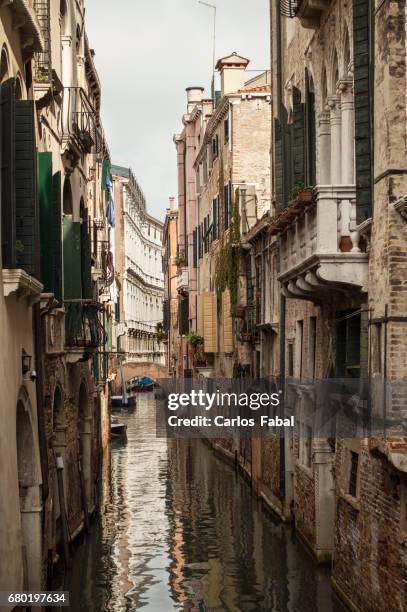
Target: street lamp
<point>25,362</point>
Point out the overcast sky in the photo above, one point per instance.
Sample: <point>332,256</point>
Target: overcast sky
<point>147,53</point>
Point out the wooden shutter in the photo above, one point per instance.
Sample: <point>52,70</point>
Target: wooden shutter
<point>72,259</point>
<point>50,204</point>
<point>298,130</point>
<point>86,261</point>
<point>195,247</point>
<point>227,323</point>
<point>8,202</point>
<point>184,316</point>
<point>210,323</point>
<point>363,88</point>
<point>27,221</point>
<point>226,206</point>
<point>278,165</point>
<point>214,219</point>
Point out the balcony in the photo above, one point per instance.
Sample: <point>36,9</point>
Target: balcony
<point>80,122</point>
<point>102,263</point>
<point>25,20</point>
<point>84,333</point>
<point>183,280</point>
<point>321,249</point>
<point>308,11</point>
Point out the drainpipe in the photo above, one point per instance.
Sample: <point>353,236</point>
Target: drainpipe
<point>39,391</point>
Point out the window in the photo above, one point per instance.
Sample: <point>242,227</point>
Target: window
<point>299,341</point>
<point>353,475</point>
<point>226,129</point>
<point>306,446</point>
<point>290,359</point>
<point>215,147</point>
<point>312,344</point>
<point>227,190</point>
<point>376,331</point>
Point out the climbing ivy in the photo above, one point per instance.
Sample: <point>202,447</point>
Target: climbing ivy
<point>227,261</point>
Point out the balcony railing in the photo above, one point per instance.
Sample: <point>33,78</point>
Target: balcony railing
<point>80,121</point>
<point>83,329</point>
<point>183,280</point>
<point>308,11</point>
<point>102,261</point>
<point>321,249</point>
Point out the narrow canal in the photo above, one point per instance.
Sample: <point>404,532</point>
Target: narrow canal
<point>181,531</point>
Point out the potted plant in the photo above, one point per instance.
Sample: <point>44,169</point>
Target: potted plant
<point>195,340</point>
<point>302,193</point>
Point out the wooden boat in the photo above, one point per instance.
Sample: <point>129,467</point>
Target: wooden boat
<point>117,430</point>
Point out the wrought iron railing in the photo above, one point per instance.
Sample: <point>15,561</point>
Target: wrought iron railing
<point>289,8</point>
<point>83,328</point>
<point>80,120</point>
<point>43,62</point>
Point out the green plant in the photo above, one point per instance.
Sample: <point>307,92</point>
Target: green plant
<point>299,188</point>
<point>227,261</point>
<point>180,259</point>
<point>195,339</point>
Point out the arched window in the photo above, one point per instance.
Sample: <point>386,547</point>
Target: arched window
<point>4,67</point>
<point>19,88</point>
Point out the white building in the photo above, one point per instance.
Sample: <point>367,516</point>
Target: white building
<point>139,267</point>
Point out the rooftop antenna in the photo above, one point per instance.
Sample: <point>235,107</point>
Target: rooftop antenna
<point>213,7</point>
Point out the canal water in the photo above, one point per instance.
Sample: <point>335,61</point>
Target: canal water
<point>180,530</point>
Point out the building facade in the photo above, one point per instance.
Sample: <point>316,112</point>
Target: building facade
<point>139,268</point>
<point>53,219</point>
<point>170,305</point>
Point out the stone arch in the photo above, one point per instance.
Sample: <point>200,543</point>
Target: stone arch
<point>4,65</point>
<point>346,53</point>
<point>67,197</point>
<point>333,72</point>
<point>29,482</point>
<point>85,440</point>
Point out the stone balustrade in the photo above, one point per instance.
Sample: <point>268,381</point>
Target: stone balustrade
<point>321,249</point>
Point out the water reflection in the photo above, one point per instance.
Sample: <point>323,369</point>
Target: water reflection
<point>180,531</point>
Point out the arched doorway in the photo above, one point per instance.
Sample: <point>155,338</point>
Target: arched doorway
<point>29,495</point>
<point>85,442</point>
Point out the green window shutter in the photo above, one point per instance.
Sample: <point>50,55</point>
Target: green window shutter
<point>8,194</point>
<point>105,171</point>
<point>72,259</point>
<point>86,261</point>
<point>363,88</point>
<point>226,206</point>
<point>56,246</point>
<point>195,248</point>
<point>49,192</point>
<point>278,165</point>
<point>298,131</point>
<point>27,221</point>
<point>184,316</point>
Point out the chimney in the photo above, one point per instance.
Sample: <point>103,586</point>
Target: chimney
<point>232,70</point>
<point>172,203</point>
<point>194,96</point>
